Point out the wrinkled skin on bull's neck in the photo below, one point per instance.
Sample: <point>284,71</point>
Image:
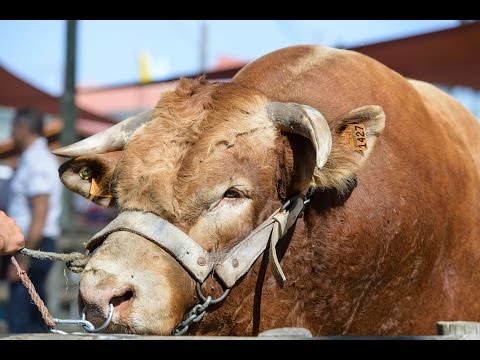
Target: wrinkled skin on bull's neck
<point>387,246</point>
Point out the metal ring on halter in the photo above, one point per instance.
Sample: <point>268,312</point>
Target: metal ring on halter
<point>291,201</point>
<point>214,301</point>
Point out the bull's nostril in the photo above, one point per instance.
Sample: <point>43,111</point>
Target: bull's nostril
<point>96,300</point>
<point>122,300</point>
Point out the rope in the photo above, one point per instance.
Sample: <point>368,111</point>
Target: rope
<point>33,294</point>
<point>74,261</point>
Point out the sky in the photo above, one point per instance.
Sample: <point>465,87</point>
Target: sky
<point>108,50</point>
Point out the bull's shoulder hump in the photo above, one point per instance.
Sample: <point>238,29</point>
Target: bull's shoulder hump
<point>293,59</point>
<point>433,97</point>
<point>451,115</point>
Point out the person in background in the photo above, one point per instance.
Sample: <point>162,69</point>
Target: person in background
<point>11,237</point>
<point>35,203</point>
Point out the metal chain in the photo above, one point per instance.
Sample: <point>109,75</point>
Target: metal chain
<point>212,302</point>
<point>195,315</point>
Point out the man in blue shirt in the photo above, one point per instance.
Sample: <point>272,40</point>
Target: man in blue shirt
<point>35,201</point>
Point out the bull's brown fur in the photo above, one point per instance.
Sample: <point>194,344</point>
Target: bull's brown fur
<point>389,243</point>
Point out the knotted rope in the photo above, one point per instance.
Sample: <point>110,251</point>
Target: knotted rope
<point>33,294</point>
<point>74,261</point>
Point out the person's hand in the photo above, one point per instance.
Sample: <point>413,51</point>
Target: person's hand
<point>11,237</point>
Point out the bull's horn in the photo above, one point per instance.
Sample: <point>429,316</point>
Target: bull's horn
<point>111,139</point>
<point>306,121</point>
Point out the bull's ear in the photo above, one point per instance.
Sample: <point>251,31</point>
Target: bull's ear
<point>353,137</point>
<point>90,176</point>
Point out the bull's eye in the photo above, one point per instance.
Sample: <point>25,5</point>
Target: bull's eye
<point>231,197</point>
<point>232,194</point>
<point>85,173</point>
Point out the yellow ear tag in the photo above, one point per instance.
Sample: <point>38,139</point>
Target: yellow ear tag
<point>357,136</point>
<point>96,191</point>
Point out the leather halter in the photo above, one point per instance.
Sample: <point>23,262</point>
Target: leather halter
<point>230,266</point>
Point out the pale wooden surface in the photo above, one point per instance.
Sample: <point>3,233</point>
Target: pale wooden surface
<point>458,328</point>
<point>80,336</point>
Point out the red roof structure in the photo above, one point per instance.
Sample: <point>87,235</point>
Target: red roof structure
<point>450,57</point>
<point>16,93</point>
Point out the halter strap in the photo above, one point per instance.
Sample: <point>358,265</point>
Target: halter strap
<point>197,261</point>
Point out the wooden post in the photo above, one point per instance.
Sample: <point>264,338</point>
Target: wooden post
<point>69,112</point>
<point>203,47</point>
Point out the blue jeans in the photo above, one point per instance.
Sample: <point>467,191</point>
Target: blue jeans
<point>22,315</point>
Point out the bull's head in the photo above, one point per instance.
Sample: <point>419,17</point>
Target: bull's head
<point>215,160</point>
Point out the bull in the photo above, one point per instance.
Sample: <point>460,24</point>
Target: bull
<point>317,189</point>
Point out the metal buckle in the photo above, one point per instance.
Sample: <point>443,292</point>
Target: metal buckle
<point>287,205</point>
